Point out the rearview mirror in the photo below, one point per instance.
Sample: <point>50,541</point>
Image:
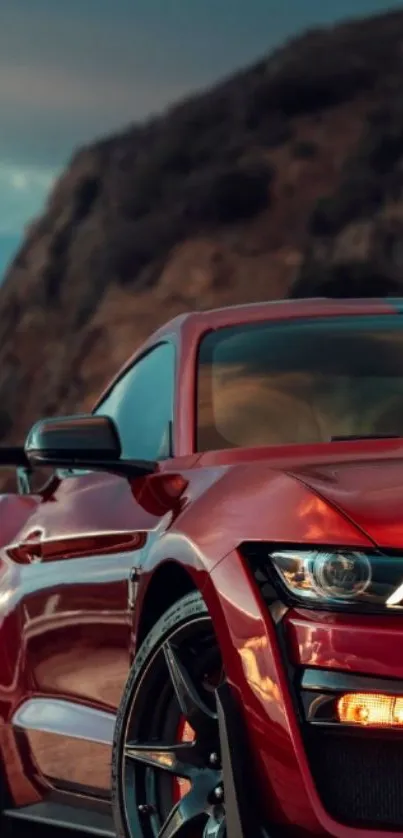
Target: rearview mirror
<point>82,442</point>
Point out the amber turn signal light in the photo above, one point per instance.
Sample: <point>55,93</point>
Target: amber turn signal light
<point>370,710</point>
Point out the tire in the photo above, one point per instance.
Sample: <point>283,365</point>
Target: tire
<point>176,669</point>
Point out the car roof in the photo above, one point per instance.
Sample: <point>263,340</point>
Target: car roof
<point>202,320</point>
<point>205,319</point>
<point>305,306</point>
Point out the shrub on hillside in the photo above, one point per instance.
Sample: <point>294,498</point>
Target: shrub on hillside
<point>208,198</point>
<point>305,150</point>
<point>358,196</point>
<point>325,68</point>
<point>357,279</point>
<point>234,194</point>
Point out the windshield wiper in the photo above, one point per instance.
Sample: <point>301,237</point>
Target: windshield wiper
<point>358,437</point>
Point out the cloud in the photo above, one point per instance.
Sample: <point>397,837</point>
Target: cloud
<point>74,71</point>
<point>23,192</point>
<point>59,90</point>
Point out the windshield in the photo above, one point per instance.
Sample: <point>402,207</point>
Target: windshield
<point>305,381</point>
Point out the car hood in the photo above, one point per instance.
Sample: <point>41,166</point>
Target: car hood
<point>368,493</point>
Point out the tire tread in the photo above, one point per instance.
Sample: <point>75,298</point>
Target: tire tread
<point>191,605</point>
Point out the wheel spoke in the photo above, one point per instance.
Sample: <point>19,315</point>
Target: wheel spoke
<point>194,709</point>
<point>185,815</point>
<point>179,760</point>
<point>215,828</point>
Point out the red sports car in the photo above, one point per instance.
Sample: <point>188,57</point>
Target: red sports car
<point>201,612</point>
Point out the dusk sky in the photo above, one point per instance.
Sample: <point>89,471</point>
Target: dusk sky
<point>71,72</point>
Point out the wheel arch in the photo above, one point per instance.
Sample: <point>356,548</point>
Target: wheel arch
<point>169,582</point>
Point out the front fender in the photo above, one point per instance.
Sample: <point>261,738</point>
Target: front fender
<point>254,502</point>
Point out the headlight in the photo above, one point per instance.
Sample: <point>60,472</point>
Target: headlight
<point>341,577</point>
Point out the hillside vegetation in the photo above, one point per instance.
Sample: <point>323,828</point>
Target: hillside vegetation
<point>285,179</point>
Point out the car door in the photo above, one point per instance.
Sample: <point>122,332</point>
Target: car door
<point>76,556</point>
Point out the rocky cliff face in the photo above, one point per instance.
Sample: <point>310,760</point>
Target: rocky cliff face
<point>285,179</point>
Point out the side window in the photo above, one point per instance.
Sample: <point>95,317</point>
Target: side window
<point>142,405</point>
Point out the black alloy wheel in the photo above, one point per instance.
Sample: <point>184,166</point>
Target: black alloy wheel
<point>167,776</point>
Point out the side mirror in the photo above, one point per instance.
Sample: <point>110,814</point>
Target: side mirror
<point>82,442</point>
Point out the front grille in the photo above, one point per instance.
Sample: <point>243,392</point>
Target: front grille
<point>358,777</point>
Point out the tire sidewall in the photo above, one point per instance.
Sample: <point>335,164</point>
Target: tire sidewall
<point>189,607</point>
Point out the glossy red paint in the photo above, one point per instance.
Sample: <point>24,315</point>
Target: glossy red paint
<point>255,669</point>
<point>369,495</point>
<point>67,629</point>
<point>368,645</point>
<point>71,563</point>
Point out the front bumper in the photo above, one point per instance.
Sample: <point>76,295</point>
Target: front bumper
<point>358,771</point>
<point>312,779</point>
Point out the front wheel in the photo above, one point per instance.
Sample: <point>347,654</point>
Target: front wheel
<point>166,765</point>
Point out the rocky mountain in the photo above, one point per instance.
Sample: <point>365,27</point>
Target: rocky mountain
<point>284,179</point>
